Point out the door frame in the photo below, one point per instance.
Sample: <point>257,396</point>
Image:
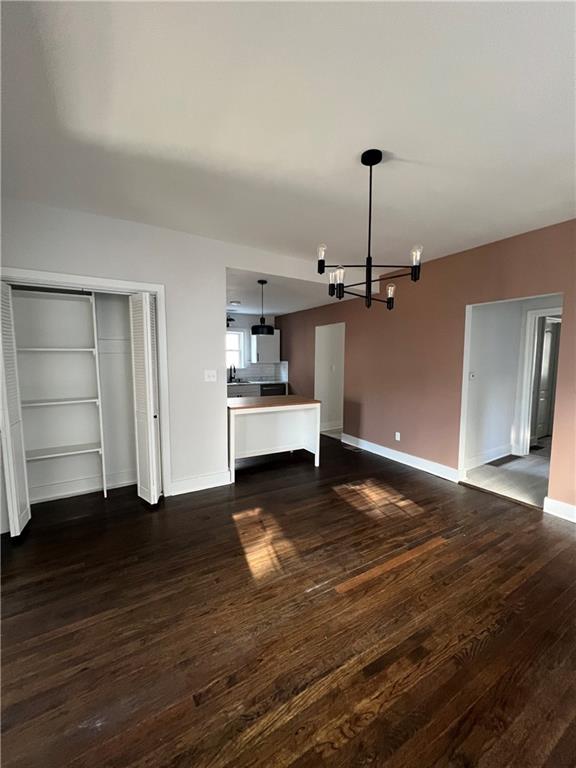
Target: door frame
<point>342,323</point>
<point>526,365</point>
<point>16,276</point>
<point>527,370</point>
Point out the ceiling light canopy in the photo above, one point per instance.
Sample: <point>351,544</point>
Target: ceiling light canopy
<point>262,329</point>
<point>336,286</point>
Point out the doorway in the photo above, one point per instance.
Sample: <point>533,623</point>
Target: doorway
<point>508,395</point>
<point>329,377</point>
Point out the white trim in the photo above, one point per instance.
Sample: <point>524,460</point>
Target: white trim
<point>526,379</point>
<point>111,285</point>
<point>560,509</point>
<point>464,392</point>
<point>199,483</point>
<point>241,332</point>
<point>425,465</point>
<point>76,282</point>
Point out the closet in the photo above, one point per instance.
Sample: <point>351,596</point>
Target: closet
<point>80,395</point>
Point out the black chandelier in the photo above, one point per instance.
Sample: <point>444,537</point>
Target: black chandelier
<point>336,286</point>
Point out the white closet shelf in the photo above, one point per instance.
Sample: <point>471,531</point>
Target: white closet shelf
<point>58,401</point>
<point>62,450</point>
<point>56,349</point>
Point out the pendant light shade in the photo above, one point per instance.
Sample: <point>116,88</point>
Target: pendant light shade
<point>262,329</point>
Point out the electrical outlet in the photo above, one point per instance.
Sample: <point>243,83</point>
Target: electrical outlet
<point>210,375</point>
<point>397,436</point>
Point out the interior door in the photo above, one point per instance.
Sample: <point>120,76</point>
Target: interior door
<point>13,456</point>
<point>146,416</point>
<point>329,374</point>
<point>545,377</point>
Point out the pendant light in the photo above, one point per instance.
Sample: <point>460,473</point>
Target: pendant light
<point>262,329</point>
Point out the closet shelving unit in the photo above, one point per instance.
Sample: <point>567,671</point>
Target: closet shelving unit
<point>45,322</point>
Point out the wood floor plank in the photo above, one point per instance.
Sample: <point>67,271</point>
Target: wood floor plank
<point>393,562</point>
<point>359,614</point>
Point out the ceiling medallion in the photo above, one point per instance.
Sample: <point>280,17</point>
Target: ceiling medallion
<point>336,285</point>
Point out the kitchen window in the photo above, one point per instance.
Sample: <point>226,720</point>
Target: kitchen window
<point>235,349</point>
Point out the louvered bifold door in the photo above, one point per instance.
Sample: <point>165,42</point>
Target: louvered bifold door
<point>13,456</point>
<point>145,374</point>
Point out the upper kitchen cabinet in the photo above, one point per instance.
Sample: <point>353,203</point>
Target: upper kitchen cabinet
<point>266,349</point>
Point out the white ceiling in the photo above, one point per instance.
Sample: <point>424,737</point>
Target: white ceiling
<point>245,121</point>
<point>281,295</point>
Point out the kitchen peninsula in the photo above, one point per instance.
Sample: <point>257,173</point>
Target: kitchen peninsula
<point>262,425</point>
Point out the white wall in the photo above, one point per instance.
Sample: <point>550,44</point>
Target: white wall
<point>193,270</point>
<point>329,373</point>
<point>496,346</point>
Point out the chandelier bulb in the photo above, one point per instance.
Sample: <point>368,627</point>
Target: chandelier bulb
<point>390,291</point>
<point>416,254</point>
<point>332,284</point>
<point>321,258</point>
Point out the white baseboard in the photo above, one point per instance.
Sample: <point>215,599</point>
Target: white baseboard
<point>485,457</point>
<point>432,467</point>
<point>560,509</point>
<point>198,483</point>
<point>330,425</point>
<point>80,486</point>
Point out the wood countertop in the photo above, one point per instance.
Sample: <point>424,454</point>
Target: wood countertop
<point>287,401</point>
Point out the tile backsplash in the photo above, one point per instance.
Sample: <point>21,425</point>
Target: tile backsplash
<point>264,372</point>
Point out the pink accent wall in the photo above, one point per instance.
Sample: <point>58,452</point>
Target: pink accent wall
<point>403,369</point>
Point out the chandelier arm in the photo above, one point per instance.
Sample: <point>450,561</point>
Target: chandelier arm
<point>360,296</point>
<point>355,285</point>
<point>390,266</point>
<point>377,279</point>
<point>402,274</point>
<point>359,266</point>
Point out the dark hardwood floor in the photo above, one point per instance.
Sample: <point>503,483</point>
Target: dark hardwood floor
<point>362,614</point>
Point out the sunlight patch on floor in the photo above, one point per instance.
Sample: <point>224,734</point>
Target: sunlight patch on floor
<point>373,498</point>
<point>265,546</point>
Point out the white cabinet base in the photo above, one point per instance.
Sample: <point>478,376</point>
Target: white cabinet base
<point>277,429</point>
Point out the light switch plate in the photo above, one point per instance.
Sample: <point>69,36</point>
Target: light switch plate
<point>397,436</point>
<point>210,375</point>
